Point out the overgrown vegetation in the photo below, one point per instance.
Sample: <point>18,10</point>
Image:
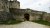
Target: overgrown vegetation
<point>42,22</point>
<point>9,22</point>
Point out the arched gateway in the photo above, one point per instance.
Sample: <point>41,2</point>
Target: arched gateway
<point>26,16</point>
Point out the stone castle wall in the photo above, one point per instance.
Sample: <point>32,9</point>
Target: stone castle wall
<point>34,15</point>
<point>9,9</point>
<point>5,5</point>
<point>14,4</point>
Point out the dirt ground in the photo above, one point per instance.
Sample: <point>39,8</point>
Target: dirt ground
<point>26,24</point>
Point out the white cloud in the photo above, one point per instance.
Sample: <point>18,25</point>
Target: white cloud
<point>40,5</point>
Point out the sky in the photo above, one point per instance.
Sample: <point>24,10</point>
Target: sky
<point>39,5</point>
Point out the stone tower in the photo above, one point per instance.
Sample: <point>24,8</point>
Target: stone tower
<point>14,4</point>
<point>5,5</point>
<point>1,4</point>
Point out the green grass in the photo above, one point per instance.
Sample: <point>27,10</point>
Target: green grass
<point>42,22</point>
<point>10,22</point>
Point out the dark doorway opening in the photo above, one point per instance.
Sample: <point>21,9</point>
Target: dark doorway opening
<point>26,16</point>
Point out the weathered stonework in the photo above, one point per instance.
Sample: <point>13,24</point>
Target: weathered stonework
<point>4,16</point>
<point>34,15</point>
<point>14,4</point>
<point>5,5</point>
<point>11,10</point>
<point>4,9</point>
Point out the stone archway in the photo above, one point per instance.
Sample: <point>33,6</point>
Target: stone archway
<point>26,16</point>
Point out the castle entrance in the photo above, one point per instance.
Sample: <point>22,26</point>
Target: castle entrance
<point>26,16</point>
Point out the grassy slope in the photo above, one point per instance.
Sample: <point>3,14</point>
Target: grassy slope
<point>42,22</point>
<point>9,22</point>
